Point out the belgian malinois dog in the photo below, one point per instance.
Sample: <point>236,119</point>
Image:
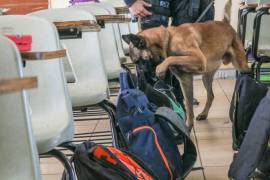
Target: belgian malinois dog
<point>190,49</point>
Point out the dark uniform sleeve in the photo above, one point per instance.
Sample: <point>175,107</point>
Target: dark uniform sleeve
<point>129,2</point>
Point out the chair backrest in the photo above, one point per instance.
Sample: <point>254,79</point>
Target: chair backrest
<point>249,29</point>
<point>118,28</point>
<point>85,53</point>
<point>264,37</point>
<point>124,29</point>
<point>50,103</point>
<point>249,24</point>
<point>107,41</point>
<point>19,157</point>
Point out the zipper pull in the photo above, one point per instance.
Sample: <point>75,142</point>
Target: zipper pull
<point>129,134</point>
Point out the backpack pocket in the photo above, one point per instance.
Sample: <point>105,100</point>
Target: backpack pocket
<point>150,150</point>
<point>120,162</point>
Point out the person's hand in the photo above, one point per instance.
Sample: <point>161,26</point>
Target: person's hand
<point>139,8</point>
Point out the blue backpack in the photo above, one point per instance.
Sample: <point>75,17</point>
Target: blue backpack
<point>148,135</point>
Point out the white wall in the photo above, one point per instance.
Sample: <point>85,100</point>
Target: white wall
<point>58,3</point>
<point>220,4</point>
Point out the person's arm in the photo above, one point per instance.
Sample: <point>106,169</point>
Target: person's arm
<point>138,7</point>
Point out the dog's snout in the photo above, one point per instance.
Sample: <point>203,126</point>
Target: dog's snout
<point>146,55</point>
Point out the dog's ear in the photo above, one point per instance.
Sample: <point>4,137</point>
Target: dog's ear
<point>137,41</point>
<point>126,38</point>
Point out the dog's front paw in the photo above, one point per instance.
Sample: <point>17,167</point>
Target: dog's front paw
<point>161,70</point>
<point>201,117</point>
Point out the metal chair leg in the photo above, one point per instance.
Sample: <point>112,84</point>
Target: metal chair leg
<point>104,108</point>
<point>69,170</point>
<point>112,118</point>
<point>118,140</point>
<point>199,155</point>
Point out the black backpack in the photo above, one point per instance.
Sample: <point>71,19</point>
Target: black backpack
<point>252,159</point>
<point>150,132</point>
<point>148,82</point>
<point>247,95</point>
<point>93,161</point>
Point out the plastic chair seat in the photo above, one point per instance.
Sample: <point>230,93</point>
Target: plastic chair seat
<point>88,93</point>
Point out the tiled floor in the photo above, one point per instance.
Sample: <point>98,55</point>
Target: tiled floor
<point>214,135</point>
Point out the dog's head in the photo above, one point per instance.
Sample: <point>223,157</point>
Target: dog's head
<point>138,49</point>
<point>142,48</point>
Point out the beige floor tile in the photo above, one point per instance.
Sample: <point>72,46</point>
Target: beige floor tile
<point>85,128</point>
<point>86,123</point>
<point>216,173</point>
<point>55,168</point>
<point>198,83</point>
<point>220,115</point>
<point>201,92</point>
<point>113,99</point>
<point>227,85</point>
<point>51,177</point>
<point>213,133</point>
<point>103,126</point>
<point>213,122</point>
<point>48,161</point>
<point>195,175</point>
<point>216,152</point>
<point>218,104</point>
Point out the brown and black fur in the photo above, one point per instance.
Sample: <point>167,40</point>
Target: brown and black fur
<point>189,49</point>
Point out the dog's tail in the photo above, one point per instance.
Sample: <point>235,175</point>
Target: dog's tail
<point>227,11</point>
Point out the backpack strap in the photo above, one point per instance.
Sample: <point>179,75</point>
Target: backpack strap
<point>190,153</point>
<point>205,11</point>
<point>126,81</point>
<point>194,8</point>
